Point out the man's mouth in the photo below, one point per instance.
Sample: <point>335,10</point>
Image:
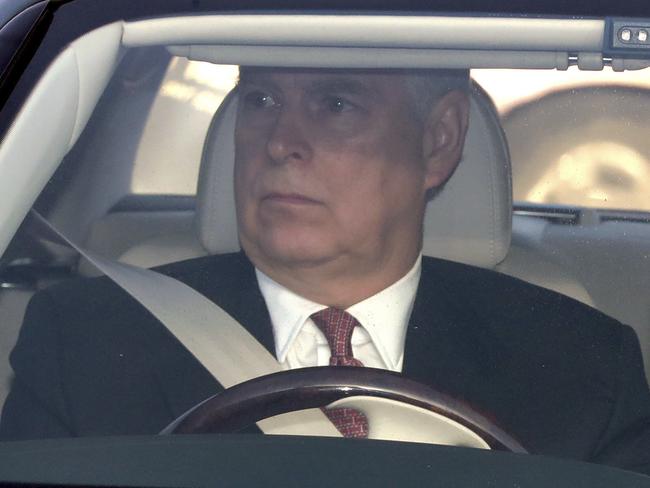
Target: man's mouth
<point>289,199</point>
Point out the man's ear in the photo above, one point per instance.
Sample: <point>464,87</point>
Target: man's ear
<point>444,136</point>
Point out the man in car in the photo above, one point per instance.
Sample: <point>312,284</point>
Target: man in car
<point>333,171</point>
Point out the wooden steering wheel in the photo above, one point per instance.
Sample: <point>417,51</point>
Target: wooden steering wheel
<point>298,389</point>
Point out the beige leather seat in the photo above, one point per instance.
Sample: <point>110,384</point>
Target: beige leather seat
<point>469,220</point>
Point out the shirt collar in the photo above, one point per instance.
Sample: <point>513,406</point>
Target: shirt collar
<point>384,315</point>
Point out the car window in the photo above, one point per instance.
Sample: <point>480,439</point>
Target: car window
<point>577,138</point>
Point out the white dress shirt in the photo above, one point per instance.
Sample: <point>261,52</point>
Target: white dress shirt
<point>378,343</point>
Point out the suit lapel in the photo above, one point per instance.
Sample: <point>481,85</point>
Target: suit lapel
<point>249,308</point>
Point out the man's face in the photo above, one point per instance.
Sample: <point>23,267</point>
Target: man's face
<point>330,168</point>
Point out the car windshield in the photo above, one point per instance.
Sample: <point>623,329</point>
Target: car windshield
<point>423,227</point>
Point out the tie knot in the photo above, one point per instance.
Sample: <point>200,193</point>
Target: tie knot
<point>338,325</point>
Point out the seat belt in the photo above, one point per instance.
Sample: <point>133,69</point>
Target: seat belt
<point>220,343</point>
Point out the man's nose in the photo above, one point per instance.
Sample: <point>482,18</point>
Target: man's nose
<point>287,141</point>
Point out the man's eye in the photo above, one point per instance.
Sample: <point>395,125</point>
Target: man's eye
<point>259,99</point>
<point>337,104</point>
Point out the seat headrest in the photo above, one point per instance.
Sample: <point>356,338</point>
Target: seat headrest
<point>469,220</point>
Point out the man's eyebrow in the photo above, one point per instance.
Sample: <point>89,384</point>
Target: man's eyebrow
<point>345,85</point>
<point>341,84</point>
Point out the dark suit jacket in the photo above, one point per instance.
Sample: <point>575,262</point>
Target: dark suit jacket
<point>563,378</point>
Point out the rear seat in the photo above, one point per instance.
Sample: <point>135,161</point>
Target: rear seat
<point>529,260</point>
<point>144,237</point>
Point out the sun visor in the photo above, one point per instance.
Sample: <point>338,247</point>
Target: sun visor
<point>376,41</point>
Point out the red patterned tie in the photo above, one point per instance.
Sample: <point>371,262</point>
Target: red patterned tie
<point>337,325</point>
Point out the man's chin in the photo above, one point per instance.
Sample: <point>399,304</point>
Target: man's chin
<point>297,258</point>
<point>288,254</point>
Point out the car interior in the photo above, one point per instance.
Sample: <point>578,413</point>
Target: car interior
<point>85,167</point>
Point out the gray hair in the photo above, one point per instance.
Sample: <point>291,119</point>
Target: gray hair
<point>427,86</point>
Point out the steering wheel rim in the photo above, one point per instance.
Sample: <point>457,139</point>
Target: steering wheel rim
<point>297,389</point>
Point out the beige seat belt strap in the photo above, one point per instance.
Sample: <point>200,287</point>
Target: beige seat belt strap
<point>220,343</point>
